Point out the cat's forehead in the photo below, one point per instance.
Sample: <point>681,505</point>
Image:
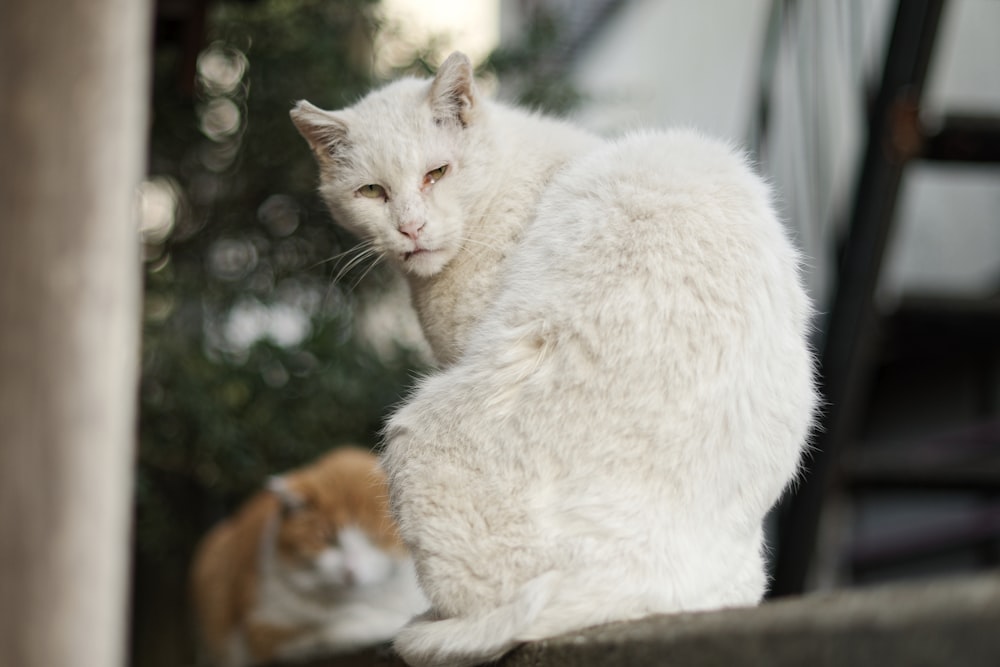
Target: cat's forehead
<point>393,129</point>
<point>398,95</point>
<point>399,109</point>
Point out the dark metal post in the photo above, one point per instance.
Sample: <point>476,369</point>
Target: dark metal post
<point>893,138</point>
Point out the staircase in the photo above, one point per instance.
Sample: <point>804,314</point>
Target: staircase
<point>885,371</point>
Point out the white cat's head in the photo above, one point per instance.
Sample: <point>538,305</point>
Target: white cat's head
<point>391,166</point>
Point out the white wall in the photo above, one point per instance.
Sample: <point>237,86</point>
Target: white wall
<point>670,62</point>
<point>948,235</point>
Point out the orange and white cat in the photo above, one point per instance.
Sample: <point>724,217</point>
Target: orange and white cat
<point>312,565</point>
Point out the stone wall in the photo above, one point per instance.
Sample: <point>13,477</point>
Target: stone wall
<point>938,623</point>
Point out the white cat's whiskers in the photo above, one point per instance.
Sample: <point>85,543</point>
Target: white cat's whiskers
<point>357,254</point>
<point>364,274</point>
<point>339,255</point>
<point>491,243</point>
<point>365,252</point>
<point>469,240</point>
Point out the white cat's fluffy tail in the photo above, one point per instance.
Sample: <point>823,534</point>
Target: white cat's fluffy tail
<point>544,607</point>
<point>468,641</point>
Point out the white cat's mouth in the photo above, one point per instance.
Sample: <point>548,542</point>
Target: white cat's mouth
<point>423,261</point>
<point>419,255</point>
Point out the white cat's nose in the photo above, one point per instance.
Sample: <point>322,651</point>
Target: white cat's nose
<point>412,228</point>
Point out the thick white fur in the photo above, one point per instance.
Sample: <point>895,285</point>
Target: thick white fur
<point>626,385</point>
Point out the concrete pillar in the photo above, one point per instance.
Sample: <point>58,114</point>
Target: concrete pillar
<point>74,97</point>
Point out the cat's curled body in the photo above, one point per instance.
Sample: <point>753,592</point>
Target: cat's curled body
<point>311,566</point>
<point>626,387</point>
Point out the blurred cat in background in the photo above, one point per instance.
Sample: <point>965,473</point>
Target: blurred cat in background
<point>312,565</point>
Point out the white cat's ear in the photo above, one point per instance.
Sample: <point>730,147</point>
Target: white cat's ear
<point>453,91</point>
<point>290,500</point>
<point>325,131</point>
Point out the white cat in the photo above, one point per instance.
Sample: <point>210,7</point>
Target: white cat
<point>626,386</point>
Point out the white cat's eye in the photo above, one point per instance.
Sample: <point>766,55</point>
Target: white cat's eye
<point>371,191</point>
<point>435,175</point>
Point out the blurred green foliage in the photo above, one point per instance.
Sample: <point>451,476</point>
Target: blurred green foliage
<point>532,67</point>
<point>250,240</point>
<point>252,362</point>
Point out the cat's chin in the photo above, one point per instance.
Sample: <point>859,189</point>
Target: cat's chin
<point>424,263</point>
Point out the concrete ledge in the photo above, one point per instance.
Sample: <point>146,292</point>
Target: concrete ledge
<point>945,622</point>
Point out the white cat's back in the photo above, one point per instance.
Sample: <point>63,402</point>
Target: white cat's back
<point>660,272</point>
<point>658,278</point>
